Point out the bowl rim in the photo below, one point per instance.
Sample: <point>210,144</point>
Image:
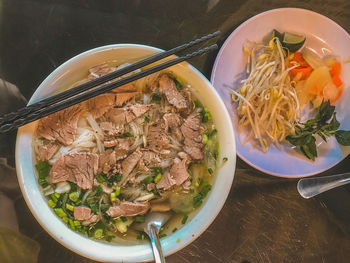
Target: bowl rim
<point>143,252</point>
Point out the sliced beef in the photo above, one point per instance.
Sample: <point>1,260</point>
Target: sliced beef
<point>79,168</point>
<point>157,137</point>
<point>150,158</point>
<point>128,209</point>
<point>122,148</point>
<point>166,182</point>
<point>107,161</point>
<point>128,164</point>
<point>179,171</point>
<point>191,131</point>
<point>125,115</point>
<point>167,86</point>
<point>46,152</point>
<point>110,130</point>
<point>61,126</point>
<point>102,103</point>
<point>172,120</point>
<point>83,213</point>
<point>100,70</point>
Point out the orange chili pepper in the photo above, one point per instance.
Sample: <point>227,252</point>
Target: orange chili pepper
<point>337,81</point>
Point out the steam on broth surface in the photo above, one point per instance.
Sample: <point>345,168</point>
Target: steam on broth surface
<point>106,163</point>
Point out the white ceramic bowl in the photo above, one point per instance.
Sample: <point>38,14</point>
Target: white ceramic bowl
<point>70,72</point>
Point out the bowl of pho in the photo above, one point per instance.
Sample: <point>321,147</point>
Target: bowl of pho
<point>92,172</point>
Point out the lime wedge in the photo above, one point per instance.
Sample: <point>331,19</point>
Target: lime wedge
<point>277,34</point>
<point>292,42</point>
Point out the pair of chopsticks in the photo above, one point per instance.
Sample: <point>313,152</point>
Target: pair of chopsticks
<point>68,98</point>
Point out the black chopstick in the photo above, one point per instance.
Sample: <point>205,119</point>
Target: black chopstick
<point>21,113</point>
<point>95,92</point>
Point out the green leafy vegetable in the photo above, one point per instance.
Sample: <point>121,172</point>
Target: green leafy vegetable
<point>198,199</point>
<point>127,134</point>
<point>184,219</point>
<point>324,124</point>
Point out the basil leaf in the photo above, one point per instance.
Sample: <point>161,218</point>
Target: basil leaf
<point>343,137</point>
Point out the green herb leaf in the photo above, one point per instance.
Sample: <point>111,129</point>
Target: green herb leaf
<point>156,97</point>
<point>127,134</point>
<point>184,219</point>
<point>343,137</point>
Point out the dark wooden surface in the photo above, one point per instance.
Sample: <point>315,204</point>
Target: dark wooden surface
<point>264,219</point>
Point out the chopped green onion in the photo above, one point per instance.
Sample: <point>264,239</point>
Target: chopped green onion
<point>147,119</point>
<point>54,197</point>
<point>69,207</point>
<point>198,199</point>
<point>101,178</point>
<point>76,223</point>
<point>156,170</point>
<point>123,218</point>
<point>156,97</point>
<point>127,134</point>
<point>148,180</point>
<point>60,212</point>
<point>117,191</point>
<point>65,219</point>
<point>196,184</point>
<point>139,219</point>
<point>98,234</point>
<point>184,219</point>
<point>93,207</point>
<point>74,196</point>
<point>204,139</point>
<point>43,169</point>
<point>43,182</point>
<point>141,236</point>
<point>115,178</point>
<point>213,132</point>
<point>162,235</point>
<point>113,197</point>
<point>98,189</point>
<point>109,238</point>
<point>174,230</point>
<point>51,203</point>
<point>71,224</point>
<point>210,170</point>
<point>225,159</point>
<point>158,178</point>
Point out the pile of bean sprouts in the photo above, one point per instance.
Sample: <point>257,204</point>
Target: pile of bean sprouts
<point>267,101</point>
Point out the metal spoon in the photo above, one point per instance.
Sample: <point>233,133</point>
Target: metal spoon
<point>153,222</point>
<point>310,187</point>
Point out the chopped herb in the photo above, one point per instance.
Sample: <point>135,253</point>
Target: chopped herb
<point>174,230</point>
<point>156,170</point>
<point>98,233</point>
<point>93,207</point>
<point>141,236</point>
<point>69,207</point>
<point>156,97</point>
<point>324,124</point>
<point>105,207</point>
<point>147,119</point>
<point>54,197</point>
<point>162,235</point>
<point>101,178</point>
<point>213,133</point>
<point>117,191</point>
<point>109,238</point>
<point>206,116</point>
<point>65,219</point>
<point>74,196</point>
<point>139,219</point>
<point>204,138</point>
<point>225,159</point>
<point>43,169</point>
<point>43,182</point>
<point>127,134</point>
<point>158,178</point>
<point>73,186</point>
<point>113,197</point>
<point>123,218</point>
<point>148,180</point>
<point>60,212</point>
<point>197,104</point>
<point>76,223</point>
<point>198,199</point>
<point>155,191</point>
<point>98,189</point>
<point>184,219</point>
<point>179,84</point>
<point>115,178</point>
<point>210,170</point>
<point>71,224</point>
<point>51,203</point>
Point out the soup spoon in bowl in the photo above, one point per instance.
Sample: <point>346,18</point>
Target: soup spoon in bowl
<point>310,187</point>
<point>152,225</point>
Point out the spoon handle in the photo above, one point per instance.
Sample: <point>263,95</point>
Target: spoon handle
<point>310,187</point>
<point>157,249</point>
